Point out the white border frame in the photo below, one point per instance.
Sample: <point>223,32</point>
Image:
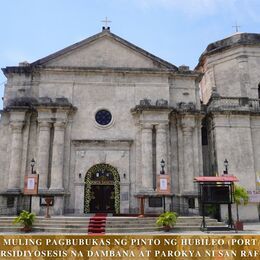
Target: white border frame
<point>103,126</point>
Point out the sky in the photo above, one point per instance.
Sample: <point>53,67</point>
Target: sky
<point>177,31</point>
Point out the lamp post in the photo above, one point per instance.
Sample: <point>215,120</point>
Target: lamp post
<point>163,172</point>
<point>226,166</point>
<point>32,172</point>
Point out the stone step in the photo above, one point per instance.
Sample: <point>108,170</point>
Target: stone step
<point>139,220</point>
<point>108,223</point>
<point>108,217</point>
<point>108,227</point>
<point>107,230</point>
<point>80,225</point>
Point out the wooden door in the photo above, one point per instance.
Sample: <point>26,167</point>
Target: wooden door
<point>102,198</point>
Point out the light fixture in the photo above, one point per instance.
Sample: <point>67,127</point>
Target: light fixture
<point>162,165</point>
<point>32,172</point>
<point>226,166</point>
<point>80,175</point>
<point>32,165</point>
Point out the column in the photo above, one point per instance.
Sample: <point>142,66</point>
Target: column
<point>244,75</point>
<point>161,146</point>
<point>147,158</point>
<point>188,167</point>
<point>14,180</point>
<point>57,156</point>
<point>43,153</point>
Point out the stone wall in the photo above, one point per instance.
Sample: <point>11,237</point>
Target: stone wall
<point>229,87</point>
<point>232,71</point>
<point>52,105</point>
<point>4,151</point>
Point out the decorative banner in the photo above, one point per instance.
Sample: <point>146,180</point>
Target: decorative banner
<point>163,184</point>
<point>31,184</point>
<point>130,247</point>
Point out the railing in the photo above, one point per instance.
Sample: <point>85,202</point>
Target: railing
<point>234,103</point>
<point>254,104</point>
<point>226,102</point>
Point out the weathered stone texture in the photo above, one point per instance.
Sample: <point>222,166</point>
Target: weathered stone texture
<point>230,88</point>
<point>50,107</point>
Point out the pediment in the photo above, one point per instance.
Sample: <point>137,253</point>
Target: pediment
<point>105,50</point>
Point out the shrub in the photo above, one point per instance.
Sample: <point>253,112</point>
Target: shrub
<point>25,218</point>
<point>167,219</point>
<point>240,197</point>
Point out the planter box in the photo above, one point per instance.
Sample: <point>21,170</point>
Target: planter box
<point>239,225</point>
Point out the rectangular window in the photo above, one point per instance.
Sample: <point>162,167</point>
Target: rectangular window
<point>155,202</point>
<point>191,203</point>
<point>10,202</point>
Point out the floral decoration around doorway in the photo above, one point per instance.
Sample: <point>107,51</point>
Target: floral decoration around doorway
<point>90,179</point>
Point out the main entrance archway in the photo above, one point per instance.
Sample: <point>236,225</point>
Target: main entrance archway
<point>102,189</point>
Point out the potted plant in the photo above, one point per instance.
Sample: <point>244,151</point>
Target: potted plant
<point>167,220</point>
<point>240,197</point>
<point>26,219</point>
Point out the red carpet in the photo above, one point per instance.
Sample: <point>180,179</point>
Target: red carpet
<point>97,224</point>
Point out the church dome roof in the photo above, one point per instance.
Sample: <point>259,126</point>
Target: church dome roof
<point>232,41</point>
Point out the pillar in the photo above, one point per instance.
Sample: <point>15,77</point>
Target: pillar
<point>57,156</point>
<point>161,146</point>
<point>16,123</point>
<point>147,158</point>
<point>243,75</point>
<point>188,167</point>
<point>43,154</point>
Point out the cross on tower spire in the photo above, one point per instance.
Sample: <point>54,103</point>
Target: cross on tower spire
<point>106,22</point>
<point>237,27</point>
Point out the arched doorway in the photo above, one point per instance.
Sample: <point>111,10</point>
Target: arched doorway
<point>102,189</point>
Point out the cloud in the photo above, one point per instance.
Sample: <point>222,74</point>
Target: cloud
<point>235,9</point>
<point>189,7</point>
<point>251,9</point>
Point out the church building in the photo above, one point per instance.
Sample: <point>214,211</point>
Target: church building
<point>104,119</point>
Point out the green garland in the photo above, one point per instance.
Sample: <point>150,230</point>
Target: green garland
<point>88,182</point>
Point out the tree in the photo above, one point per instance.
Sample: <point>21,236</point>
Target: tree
<point>240,197</point>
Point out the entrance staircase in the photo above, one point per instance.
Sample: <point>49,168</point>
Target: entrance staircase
<point>109,225</point>
<point>97,224</point>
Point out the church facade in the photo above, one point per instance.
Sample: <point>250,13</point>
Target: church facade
<point>103,119</point>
